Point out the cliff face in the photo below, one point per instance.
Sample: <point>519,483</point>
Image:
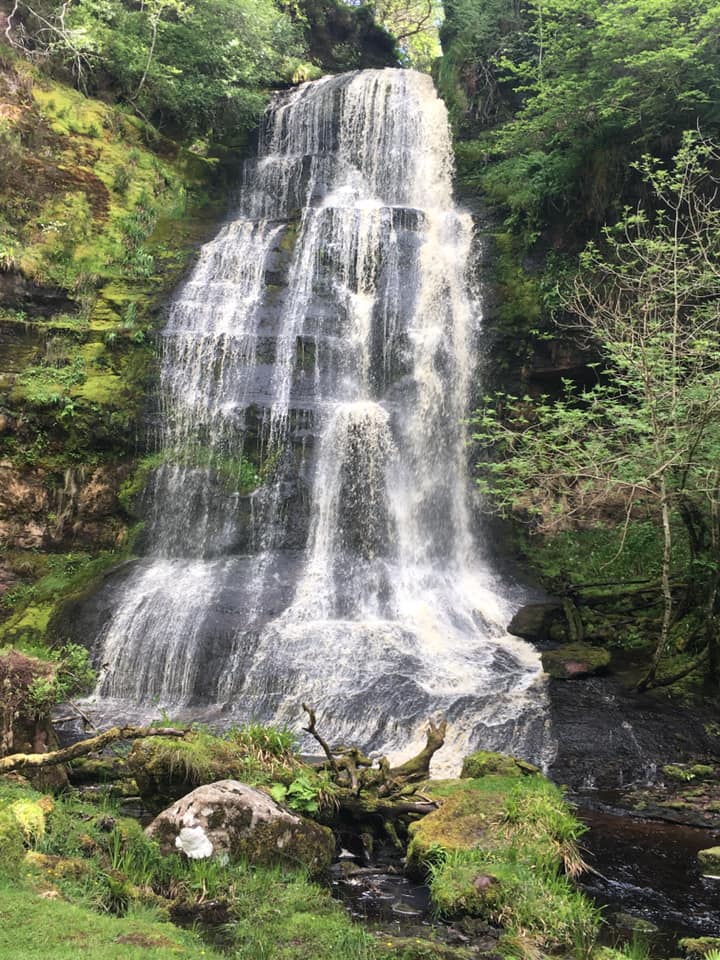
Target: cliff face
<point>100,214</point>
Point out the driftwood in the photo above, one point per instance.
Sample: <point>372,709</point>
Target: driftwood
<point>21,761</point>
<point>382,789</point>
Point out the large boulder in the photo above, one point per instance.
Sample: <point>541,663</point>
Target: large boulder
<point>230,819</point>
<point>575,661</point>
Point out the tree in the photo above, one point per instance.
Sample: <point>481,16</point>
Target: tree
<point>414,24</point>
<point>200,66</point>
<point>600,84</point>
<point>646,437</point>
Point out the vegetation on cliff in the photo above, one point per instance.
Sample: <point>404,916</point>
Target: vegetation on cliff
<point>594,134</point>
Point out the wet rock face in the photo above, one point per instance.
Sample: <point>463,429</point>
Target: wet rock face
<point>16,291</point>
<point>231,819</point>
<point>610,737</point>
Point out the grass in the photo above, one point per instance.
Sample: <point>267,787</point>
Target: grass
<point>94,885</point>
<point>36,925</point>
<point>256,755</point>
<point>505,849</point>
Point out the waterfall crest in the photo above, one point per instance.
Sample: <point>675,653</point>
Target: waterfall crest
<point>310,522</point>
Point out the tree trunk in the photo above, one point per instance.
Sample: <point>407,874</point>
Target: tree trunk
<point>649,678</point>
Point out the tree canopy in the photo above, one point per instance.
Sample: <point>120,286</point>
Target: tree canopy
<point>645,438</point>
<point>566,97</point>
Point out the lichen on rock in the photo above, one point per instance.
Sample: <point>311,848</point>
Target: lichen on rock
<point>234,820</point>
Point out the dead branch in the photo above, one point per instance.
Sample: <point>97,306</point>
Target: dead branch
<point>20,761</point>
<point>355,771</point>
<point>310,728</point>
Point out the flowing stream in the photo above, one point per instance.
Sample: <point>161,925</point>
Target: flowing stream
<point>310,518</point>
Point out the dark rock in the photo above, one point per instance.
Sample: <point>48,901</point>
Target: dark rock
<point>609,737</point>
<point>535,620</point>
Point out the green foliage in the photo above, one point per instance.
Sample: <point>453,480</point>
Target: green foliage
<point>603,553</point>
<point>200,66</point>
<point>72,675</point>
<point>651,416</point>
<point>305,793</point>
<point>582,95</point>
<point>414,25</point>
<point>645,438</point>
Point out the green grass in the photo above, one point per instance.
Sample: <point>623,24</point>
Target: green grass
<point>504,849</point>
<point>36,925</point>
<point>94,885</point>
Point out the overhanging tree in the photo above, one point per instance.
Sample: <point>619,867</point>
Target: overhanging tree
<point>646,438</point>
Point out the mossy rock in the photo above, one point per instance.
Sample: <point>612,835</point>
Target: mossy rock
<point>98,769</point>
<point>684,772</point>
<point>497,850</point>
<point>232,820</point>
<point>461,822</point>
<point>698,947</point>
<point>484,763</point>
<point>574,661</point>
<point>710,861</point>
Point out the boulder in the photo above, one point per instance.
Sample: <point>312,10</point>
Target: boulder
<point>574,661</point>
<point>710,861</point>
<point>535,620</point>
<point>485,763</point>
<point>229,819</point>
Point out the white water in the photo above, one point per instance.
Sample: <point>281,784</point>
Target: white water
<point>328,333</point>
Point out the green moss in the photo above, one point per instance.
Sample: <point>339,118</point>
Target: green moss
<point>496,849</point>
<point>132,488</point>
<point>574,660</point>
<point>289,237</point>
<point>310,848</point>
<point>700,946</point>
<point>30,625</point>
<point>710,860</point>
<point>484,762</point>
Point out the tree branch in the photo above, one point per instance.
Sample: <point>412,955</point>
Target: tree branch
<point>21,761</point>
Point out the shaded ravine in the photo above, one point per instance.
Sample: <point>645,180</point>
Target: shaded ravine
<point>322,349</point>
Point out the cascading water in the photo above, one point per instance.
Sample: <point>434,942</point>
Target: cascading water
<point>326,336</point>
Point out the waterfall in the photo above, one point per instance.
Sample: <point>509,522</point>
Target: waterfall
<point>310,523</point>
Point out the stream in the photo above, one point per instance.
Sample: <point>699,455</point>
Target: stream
<point>644,875</point>
<point>648,869</point>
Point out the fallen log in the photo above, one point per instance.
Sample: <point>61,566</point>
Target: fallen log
<point>356,773</point>
<point>20,761</point>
